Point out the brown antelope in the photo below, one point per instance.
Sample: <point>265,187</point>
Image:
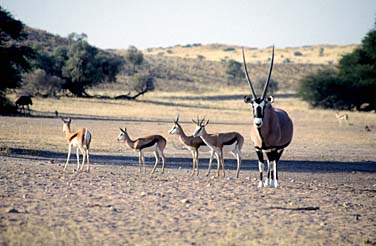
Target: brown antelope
<point>23,101</point>
<point>220,143</point>
<point>193,144</point>
<point>342,118</point>
<point>154,143</point>
<point>271,131</point>
<point>81,140</point>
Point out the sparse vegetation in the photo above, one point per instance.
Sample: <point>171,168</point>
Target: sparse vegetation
<point>298,53</point>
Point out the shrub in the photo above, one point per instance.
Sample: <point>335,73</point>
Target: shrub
<point>324,89</point>
<point>229,49</point>
<point>353,86</point>
<point>234,70</point>
<point>298,53</point>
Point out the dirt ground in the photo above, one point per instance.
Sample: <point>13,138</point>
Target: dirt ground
<point>115,204</point>
<point>326,194</point>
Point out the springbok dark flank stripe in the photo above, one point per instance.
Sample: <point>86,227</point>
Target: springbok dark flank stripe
<point>147,145</point>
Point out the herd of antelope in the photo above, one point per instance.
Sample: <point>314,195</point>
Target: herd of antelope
<point>271,133</point>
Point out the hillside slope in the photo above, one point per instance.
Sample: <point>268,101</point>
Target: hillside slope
<point>318,54</point>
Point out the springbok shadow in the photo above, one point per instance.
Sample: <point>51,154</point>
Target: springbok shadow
<point>186,163</point>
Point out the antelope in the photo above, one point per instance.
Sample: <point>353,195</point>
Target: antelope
<point>342,117</point>
<point>23,101</point>
<point>154,143</point>
<point>271,131</point>
<point>81,140</point>
<point>193,144</point>
<point>220,143</point>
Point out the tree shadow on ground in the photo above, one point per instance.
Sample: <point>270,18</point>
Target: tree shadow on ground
<point>186,163</point>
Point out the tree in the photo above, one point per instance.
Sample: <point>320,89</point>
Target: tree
<point>141,83</point>
<point>135,57</point>
<point>13,57</point>
<point>352,86</point>
<point>86,66</point>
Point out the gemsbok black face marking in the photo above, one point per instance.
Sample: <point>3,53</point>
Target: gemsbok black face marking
<point>272,129</point>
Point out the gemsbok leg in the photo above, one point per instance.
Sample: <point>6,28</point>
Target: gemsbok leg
<point>260,157</point>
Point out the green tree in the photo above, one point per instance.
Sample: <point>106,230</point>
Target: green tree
<point>13,57</point>
<point>134,57</point>
<point>86,66</point>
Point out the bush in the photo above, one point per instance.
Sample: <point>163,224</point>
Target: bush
<point>39,83</point>
<point>324,89</point>
<point>234,71</point>
<point>298,53</point>
<point>353,86</point>
<point>229,49</point>
<point>273,86</point>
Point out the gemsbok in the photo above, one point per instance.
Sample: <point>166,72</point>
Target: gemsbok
<point>271,131</point>
<point>81,140</point>
<point>154,143</point>
<point>220,143</point>
<point>193,144</point>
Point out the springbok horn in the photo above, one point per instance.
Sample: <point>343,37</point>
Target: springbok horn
<point>269,75</point>
<point>247,76</point>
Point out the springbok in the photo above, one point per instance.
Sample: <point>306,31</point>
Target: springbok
<point>271,131</point>
<point>342,117</point>
<point>81,140</point>
<point>220,143</point>
<point>193,144</point>
<point>154,143</point>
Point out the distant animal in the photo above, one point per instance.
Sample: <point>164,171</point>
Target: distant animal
<point>80,139</point>
<point>56,113</point>
<point>220,143</point>
<point>271,131</point>
<point>23,101</point>
<point>342,118</point>
<point>193,144</point>
<point>154,143</point>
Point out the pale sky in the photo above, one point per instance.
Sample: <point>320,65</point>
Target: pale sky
<point>163,23</point>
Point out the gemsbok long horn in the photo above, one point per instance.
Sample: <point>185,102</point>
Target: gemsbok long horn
<point>269,75</point>
<point>247,75</point>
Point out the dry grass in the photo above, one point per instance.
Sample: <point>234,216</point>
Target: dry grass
<point>317,132</point>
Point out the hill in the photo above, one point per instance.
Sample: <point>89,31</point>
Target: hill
<point>199,67</point>
<point>318,54</point>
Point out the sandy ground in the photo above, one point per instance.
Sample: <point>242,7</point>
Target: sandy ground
<point>116,205</point>
<point>326,194</point>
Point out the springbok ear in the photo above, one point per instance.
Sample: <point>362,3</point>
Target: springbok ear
<point>206,123</point>
<point>69,120</point>
<point>270,99</point>
<point>247,99</point>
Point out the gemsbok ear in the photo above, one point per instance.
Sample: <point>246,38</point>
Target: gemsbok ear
<point>247,99</point>
<point>270,99</point>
